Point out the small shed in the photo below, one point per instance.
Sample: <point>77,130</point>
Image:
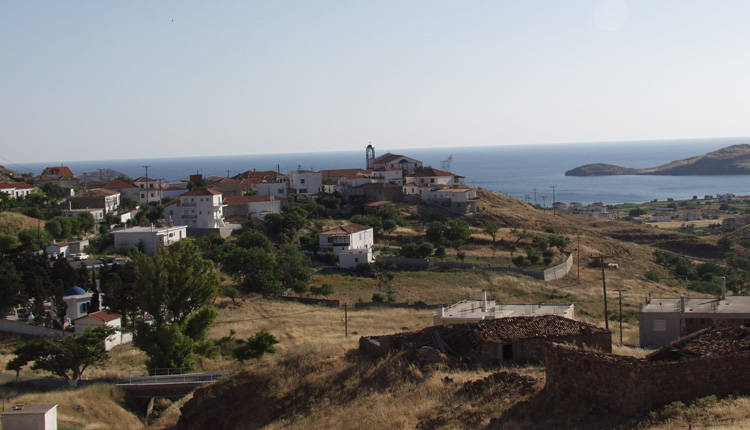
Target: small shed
<point>30,417</point>
<point>98,319</point>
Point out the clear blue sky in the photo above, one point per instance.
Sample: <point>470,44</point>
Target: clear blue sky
<point>131,79</point>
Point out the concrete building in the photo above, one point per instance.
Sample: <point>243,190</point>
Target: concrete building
<point>374,192</point>
<point>484,309</point>
<point>432,177</point>
<point>30,417</point>
<point>252,206</point>
<point>197,208</point>
<point>151,238</point>
<point>353,244</point>
<point>664,320</point>
<point>149,190</point>
<point>305,182</point>
<point>106,200</point>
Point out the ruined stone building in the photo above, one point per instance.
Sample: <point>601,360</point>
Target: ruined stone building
<point>499,341</point>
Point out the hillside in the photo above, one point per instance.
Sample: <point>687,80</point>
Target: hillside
<point>12,222</point>
<point>732,160</point>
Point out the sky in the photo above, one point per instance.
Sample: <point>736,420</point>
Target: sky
<point>101,80</point>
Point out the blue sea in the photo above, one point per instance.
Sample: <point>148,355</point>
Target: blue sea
<point>527,172</point>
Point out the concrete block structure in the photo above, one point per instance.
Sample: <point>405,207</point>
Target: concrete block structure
<point>353,243</point>
<point>152,238</point>
<point>30,417</point>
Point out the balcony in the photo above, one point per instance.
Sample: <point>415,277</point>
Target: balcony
<point>189,216</point>
<point>186,204</point>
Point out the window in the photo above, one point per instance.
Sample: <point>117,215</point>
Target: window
<point>356,259</point>
<point>660,325</point>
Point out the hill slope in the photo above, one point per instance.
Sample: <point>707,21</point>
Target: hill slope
<point>732,160</point>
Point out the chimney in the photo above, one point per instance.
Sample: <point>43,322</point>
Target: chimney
<point>484,300</point>
<point>682,304</point>
<point>441,311</point>
<point>723,288</point>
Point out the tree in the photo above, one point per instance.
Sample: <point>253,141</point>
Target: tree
<point>84,222</point>
<point>255,239</point>
<point>434,232</point>
<point>725,243</point>
<point>293,268</point>
<point>176,289</point>
<point>636,212</point>
<point>68,357</point>
<point>440,253</point>
<point>457,232</point>
<point>261,343</point>
<point>8,242</point>
<point>11,288</point>
<point>491,228</point>
<point>559,242</point>
<point>34,238</point>
<point>253,269</point>
<point>59,227</point>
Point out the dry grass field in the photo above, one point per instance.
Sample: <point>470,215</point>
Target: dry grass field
<point>12,223</point>
<point>316,379</point>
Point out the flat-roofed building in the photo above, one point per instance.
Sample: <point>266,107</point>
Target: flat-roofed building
<point>484,309</point>
<point>152,238</point>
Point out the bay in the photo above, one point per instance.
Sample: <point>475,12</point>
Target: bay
<point>516,170</point>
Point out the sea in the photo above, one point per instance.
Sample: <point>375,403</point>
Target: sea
<point>534,173</point>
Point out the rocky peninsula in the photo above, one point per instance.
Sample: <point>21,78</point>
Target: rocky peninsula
<point>732,160</point>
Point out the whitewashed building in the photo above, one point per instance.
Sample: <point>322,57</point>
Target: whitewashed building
<point>198,208</point>
<point>152,238</point>
<point>252,206</point>
<point>353,243</point>
<point>101,318</point>
<point>305,182</point>
<point>16,190</point>
<point>149,190</point>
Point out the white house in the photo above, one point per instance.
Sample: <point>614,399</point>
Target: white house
<point>125,188</point>
<point>353,243</point>
<point>16,190</point>
<point>197,208</point>
<point>59,248</point>
<point>661,217</point>
<point>101,318</point>
<point>432,177</point>
<point>149,190</point>
<point>152,237</point>
<point>305,182</point>
<point>277,189</point>
<point>394,161</point>
<point>100,198</point>
<point>252,206</point>
<point>462,200</point>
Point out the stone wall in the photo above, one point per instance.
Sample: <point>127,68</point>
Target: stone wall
<point>634,386</point>
<point>533,350</point>
<point>8,326</point>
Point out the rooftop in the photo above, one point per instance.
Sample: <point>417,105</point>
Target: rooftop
<point>739,305</point>
<point>29,409</point>
<point>201,192</point>
<point>118,184</point>
<point>104,315</point>
<point>248,199</point>
<point>720,339</point>
<point>429,172</point>
<point>158,230</point>
<point>345,230</point>
<point>472,310</point>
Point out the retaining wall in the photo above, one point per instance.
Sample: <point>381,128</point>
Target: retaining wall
<point>8,326</point>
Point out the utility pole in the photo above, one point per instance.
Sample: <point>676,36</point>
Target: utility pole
<point>146,167</point>
<point>346,321</point>
<point>553,199</point>
<point>535,196</point>
<point>579,257</point>
<point>100,174</point>
<point>227,173</point>
<point>544,201</point>
<point>604,287</point>
<point>527,198</point>
<point>620,290</point>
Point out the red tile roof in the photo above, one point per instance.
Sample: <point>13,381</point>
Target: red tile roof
<point>104,315</point>
<point>429,172</point>
<point>99,192</point>
<point>119,184</point>
<point>58,171</point>
<point>144,179</point>
<point>201,192</point>
<point>346,230</point>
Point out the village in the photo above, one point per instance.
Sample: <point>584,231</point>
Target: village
<point>488,282</point>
